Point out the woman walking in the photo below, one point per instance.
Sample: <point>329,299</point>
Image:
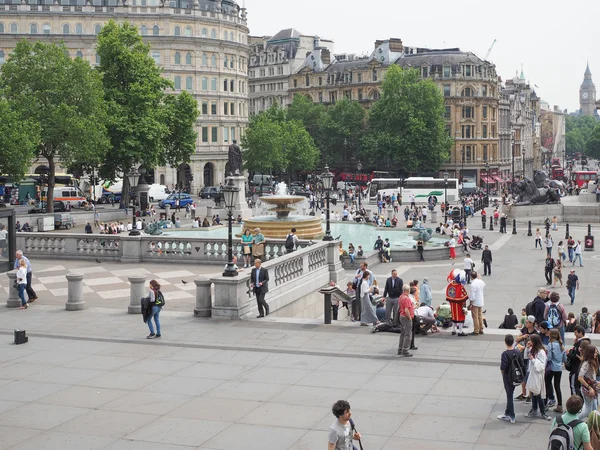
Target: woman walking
<point>367,312</point>
<point>535,382</point>
<point>556,356</point>
<point>538,239</point>
<point>247,240</point>
<point>22,282</point>
<point>587,377</point>
<point>558,273</point>
<point>157,301</point>
<point>561,251</point>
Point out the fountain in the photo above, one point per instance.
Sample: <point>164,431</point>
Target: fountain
<point>279,226</point>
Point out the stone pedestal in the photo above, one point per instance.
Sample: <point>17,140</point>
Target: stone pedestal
<point>209,212</point>
<point>241,207</point>
<point>390,213</point>
<point>203,297</point>
<point>434,216</point>
<point>137,291</point>
<point>131,249</point>
<point>168,211</point>
<point>13,300</point>
<point>75,301</point>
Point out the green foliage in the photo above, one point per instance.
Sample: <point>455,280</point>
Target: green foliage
<point>578,131</point>
<point>18,142</point>
<point>407,126</point>
<point>342,128</point>
<point>64,98</point>
<point>592,146</point>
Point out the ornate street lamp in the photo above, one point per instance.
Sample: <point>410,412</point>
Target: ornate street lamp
<point>446,196</point>
<point>230,196</point>
<point>358,189</point>
<point>487,183</point>
<point>327,180</point>
<point>134,178</point>
<point>523,159</point>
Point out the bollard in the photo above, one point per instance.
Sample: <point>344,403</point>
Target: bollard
<point>483,222</point>
<point>13,293</point>
<point>589,230</point>
<point>75,301</point>
<point>514,226</point>
<point>547,228</point>
<point>491,223</point>
<point>136,292</point>
<point>203,298</point>
<point>567,231</point>
<point>529,228</point>
<point>327,313</point>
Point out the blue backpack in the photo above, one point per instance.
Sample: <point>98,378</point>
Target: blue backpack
<point>554,316</point>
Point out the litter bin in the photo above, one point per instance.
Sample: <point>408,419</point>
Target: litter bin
<point>589,244</point>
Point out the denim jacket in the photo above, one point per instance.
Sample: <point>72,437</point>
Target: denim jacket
<point>555,356</point>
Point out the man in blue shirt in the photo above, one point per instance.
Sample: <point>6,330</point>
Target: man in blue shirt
<point>30,292</point>
<point>259,280</point>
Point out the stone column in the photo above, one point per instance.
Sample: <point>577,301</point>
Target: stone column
<point>75,301</point>
<point>203,297</point>
<point>137,291</point>
<point>13,294</point>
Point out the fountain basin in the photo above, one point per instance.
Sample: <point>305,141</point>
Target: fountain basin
<point>307,227</point>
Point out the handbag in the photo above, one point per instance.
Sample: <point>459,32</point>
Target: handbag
<point>590,391</point>
<point>246,249</point>
<point>594,438</point>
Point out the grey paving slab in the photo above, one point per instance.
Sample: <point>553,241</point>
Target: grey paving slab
<point>343,380</point>
<point>241,436</point>
<point>126,444</point>
<point>496,431</point>
<point>102,362</point>
<point>295,361</point>
<point>279,415</point>
<point>11,435</point>
<point>401,384</point>
<point>242,358</point>
<point>64,441</point>
<point>475,389</point>
<point>370,422</point>
<point>178,431</point>
<point>40,416</point>
<point>122,380</point>
<point>413,368</point>
<point>146,403</point>
<point>28,391</point>
<point>383,402</point>
<point>455,429</point>
<point>183,385</point>
<point>246,390</point>
<point>6,405</point>
<point>65,375</point>
<point>156,366</point>
<point>84,397</point>
<point>193,354</point>
<point>111,424</point>
<point>395,443</point>
<point>274,375</point>
<point>220,409</point>
<point>318,439</point>
<point>312,396</point>
<point>19,371</point>
<point>209,370</point>
<point>470,408</point>
<point>358,365</point>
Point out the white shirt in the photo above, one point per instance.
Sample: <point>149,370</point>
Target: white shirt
<point>138,225</point>
<point>129,227</point>
<point>477,287</point>
<point>425,311</point>
<point>452,243</point>
<point>468,263</point>
<point>578,249</point>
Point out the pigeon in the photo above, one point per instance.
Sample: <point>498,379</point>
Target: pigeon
<point>98,261</point>
<point>338,238</point>
<point>184,282</point>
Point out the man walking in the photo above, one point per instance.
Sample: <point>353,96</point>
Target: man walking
<point>549,244</point>
<point>392,291</point>
<point>486,259</point>
<point>577,251</point>
<point>509,357</point>
<point>407,314</point>
<point>468,267</point>
<point>259,280</point>
<point>570,247</point>
<point>476,298</point>
<point>572,285</point>
<point>548,268</point>
<point>96,219</point>
<point>342,432</point>
<point>30,292</point>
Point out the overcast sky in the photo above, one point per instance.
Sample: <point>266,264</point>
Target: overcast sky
<point>552,39</point>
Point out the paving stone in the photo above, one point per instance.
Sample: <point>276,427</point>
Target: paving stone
<point>10,435</point>
<point>28,391</point>
<point>239,436</point>
<point>178,431</point>
<point>122,380</point>
<point>246,390</point>
<point>111,424</point>
<point>147,403</point>
<point>383,402</point>
<point>84,397</point>
<point>208,370</point>
<point>64,441</point>
<point>40,416</point>
<point>126,444</point>
<point>312,396</point>
<point>183,385</point>
<point>279,414</point>
<point>220,409</point>
<point>454,429</point>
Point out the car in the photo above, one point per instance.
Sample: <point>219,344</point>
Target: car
<point>37,209</point>
<point>209,191</point>
<point>185,199</point>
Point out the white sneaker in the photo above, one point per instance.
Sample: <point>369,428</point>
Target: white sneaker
<point>504,417</point>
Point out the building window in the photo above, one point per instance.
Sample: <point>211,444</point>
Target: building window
<point>66,29</point>
<point>493,131</point>
<point>97,58</point>
<point>231,38</point>
<point>493,113</point>
<point>295,83</point>
<point>484,91</point>
<point>359,77</point>
<point>374,74</point>
<point>446,72</point>
<point>204,32</point>
<point>177,83</point>
<point>79,55</point>
<point>468,112</point>
<point>446,90</point>
<point>213,34</point>
<point>1,28</point>
<point>360,94</point>
<point>213,61</point>
<point>468,131</point>
<point>225,85</point>
<point>144,30</point>
<point>214,134</point>
<point>484,133</point>
<point>467,71</point>
<point>188,58</point>
<point>177,31</point>
<point>14,29</point>
<point>188,31</point>
<point>213,84</point>
<point>225,109</point>
<point>484,112</point>
<point>213,108</point>
<point>226,62</point>
<point>78,29</point>
<point>320,81</point>
<point>205,84</point>
<point>46,28</point>
<point>485,153</point>
<point>232,109</point>
<point>225,35</point>
<point>204,108</point>
<point>189,83</point>
<point>232,133</point>
<point>155,30</point>
<point>448,112</point>
<point>225,134</point>
<point>156,57</point>
<point>467,92</point>
<point>1,56</point>
<point>231,85</point>
<point>232,63</point>
<point>424,72</point>
<point>205,134</point>
<point>307,80</point>
<point>33,28</point>
<point>177,58</point>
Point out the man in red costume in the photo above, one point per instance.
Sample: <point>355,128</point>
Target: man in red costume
<point>457,296</point>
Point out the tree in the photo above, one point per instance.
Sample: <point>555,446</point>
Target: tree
<point>592,147</point>
<point>342,129</point>
<point>63,96</point>
<point>18,142</point>
<point>578,130</point>
<point>146,126</point>
<point>407,130</point>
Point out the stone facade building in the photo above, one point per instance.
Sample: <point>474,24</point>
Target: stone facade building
<point>272,61</point>
<point>202,46</point>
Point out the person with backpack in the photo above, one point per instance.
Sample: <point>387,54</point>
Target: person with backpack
<point>157,301</point>
<point>585,320</point>
<point>535,381</point>
<point>513,374</point>
<point>574,359</point>
<point>291,241</point>
<point>555,314</point>
<point>537,306</point>
<point>593,424</point>
<point>567,431</point>
<point>556,356</point>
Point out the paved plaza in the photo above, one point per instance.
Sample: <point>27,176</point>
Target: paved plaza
<point>90,380</point>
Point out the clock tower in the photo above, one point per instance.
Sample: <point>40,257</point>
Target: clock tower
<point>587,94</point>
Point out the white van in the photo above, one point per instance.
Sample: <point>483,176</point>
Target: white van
<point>66,194</point>
<point>157,192</point>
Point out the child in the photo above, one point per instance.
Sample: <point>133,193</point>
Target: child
<point>523,318</point>
<point>360,252</point>
<point>510,320</point>
<point>556,356</point>
<point>508,358</point>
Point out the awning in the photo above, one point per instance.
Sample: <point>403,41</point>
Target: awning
<point>498,178</point>
<point>487,180</point>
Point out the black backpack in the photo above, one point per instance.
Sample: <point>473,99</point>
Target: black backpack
<point>289,242</point>
<point>516,374</point>
<point>160,299</point>
<point>561,437</point>
<point>529,308</point>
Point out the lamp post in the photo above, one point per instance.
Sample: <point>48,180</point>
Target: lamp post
<point>445,196</point>
<point>487,183</point>
<point>230,196</point>
<point>358,188</point>
<point>523,159</point>
<point>513,164</point>
<point>327,180</point>
<point>134,178</point>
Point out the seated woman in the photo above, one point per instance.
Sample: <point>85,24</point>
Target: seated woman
<point>205,223</point>
<point>351,253</point>
<point>388,223</point>
<point>394,221</point>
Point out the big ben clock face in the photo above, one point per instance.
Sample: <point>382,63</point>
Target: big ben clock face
<point>585,95</point>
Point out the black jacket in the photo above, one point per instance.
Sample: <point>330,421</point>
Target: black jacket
<point>486,256</point>
<point>263,277</point>
<point>539,307</point>
<point>394,291</point>
<point>146,308</point>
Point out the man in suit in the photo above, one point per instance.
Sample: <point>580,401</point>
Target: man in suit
<point>486,259</point>
<point>393,290</point>
<point>259,280</point>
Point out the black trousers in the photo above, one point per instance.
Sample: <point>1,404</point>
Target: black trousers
<point>468,275</point>
<point>30,292</point>
<point>487,268</point>
<point>420,250</point>
<point>260,300</point>
<point>548,274</point>
<point>416,327</point>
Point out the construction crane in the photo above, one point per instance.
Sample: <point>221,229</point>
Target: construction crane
<point>487,55</point>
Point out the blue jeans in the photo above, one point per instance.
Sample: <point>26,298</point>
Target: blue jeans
<point>538,403</point>
<point>155,314</point>
<point>351,255</point>
<point>549,250</point>
<point>570,255</point>
<point>510,402</point>
<point>572,294</point>
<point>578,257</point>
<point>22,294</point>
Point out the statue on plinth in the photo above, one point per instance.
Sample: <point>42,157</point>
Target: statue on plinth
<point>235,159</point>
